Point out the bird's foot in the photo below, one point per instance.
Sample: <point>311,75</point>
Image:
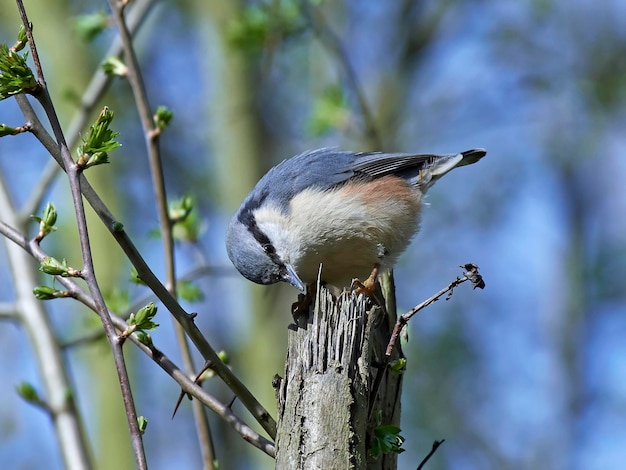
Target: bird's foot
<point>368,286</point>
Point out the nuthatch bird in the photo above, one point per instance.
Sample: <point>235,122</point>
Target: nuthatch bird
<point>351,213</point>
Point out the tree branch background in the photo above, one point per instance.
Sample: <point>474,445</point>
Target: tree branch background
<point>527,374</point>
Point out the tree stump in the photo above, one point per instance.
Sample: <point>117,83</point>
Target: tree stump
<point>326,403</point>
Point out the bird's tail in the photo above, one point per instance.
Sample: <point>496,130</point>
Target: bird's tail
<point>440,165</point>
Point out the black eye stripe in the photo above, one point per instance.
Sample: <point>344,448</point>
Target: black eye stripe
<point>246,217</point>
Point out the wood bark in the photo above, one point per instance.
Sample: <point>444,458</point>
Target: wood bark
<point>326,403</point>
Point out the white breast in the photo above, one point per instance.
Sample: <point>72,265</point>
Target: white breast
<point>349,230</point>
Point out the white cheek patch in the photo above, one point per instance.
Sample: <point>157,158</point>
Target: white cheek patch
<point>273,223</point>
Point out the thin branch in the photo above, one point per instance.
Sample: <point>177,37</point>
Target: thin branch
<point>471,274</point>
<point>87,269</point>
<point>152,138</point>
<point>188,386</point>
<point>31,314</point>
<point>145,274</point>
<point>436,445</point>
<point>191,275</point>
<point>98,85</point>
<point>8,311</point>
<point>333,43</point>
<point>85,339</point>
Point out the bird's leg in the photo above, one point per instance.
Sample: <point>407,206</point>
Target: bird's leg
<point>368,286</point>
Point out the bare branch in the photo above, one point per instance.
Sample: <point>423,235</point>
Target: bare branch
<point>8,310</point>
<point>91,97</point>
<point>152,137</point>
<point>333,43</point>
<point>436,445</point>
<point>471,275</point>
<point>32,316</point>
<point>187,385</point>
<point>145,273</point>
<point>73,173</point>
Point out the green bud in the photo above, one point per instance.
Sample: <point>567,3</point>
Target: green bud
<point>179,209</point>
<point>223,355</point>
<point>118,226</point>
<point>142,421</point>
<point>98,158</point>
<point>53,266</point>
<point>49,215</point>
<point>144,338</point>
<point>22,39</point>
<point>49,293</point>
<point>99,141</point>
<point>187,225</point>
<point>91,25</point>
<point>142,320</point>
<point>114,66</point>
<point>7,130</point>
<point>28,393</point>
<point>162,117</point>
<point>46,221</point>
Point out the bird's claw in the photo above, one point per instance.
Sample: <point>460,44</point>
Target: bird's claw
<point>366,287</point>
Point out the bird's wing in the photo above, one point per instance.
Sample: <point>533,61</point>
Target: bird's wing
<point>407,165</point>
<point>328,167</point>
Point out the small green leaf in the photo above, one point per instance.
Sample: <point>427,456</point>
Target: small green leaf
<point>89,26</point>
<point>187,225</point>
<point>398,366</point>
<point>49,215</point>
<point>184,219</point>
<point>144,338</point>
<point>16,77</point>
<point>142,320</point>
<point>387,439</point>
<point>118,300</point>
<point>330,111</point>
<point>134,277</point>
<point>189,291</point>
<point>260,23</point>
<point>179,209</point>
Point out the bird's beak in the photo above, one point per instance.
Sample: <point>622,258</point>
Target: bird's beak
<point>292,278</point>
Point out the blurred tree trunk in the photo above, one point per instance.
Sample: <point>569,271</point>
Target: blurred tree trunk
<point>327,405</point>
<point>238,143</point>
